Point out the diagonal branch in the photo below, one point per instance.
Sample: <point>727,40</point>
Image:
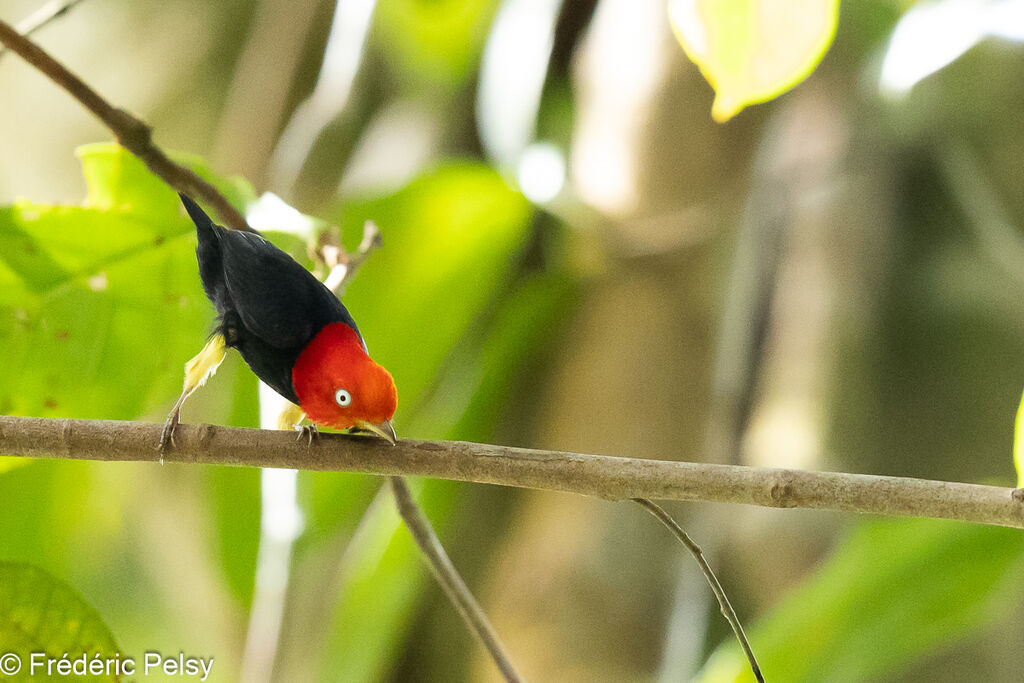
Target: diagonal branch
<point>594,475</point>
<point>448,577</point>
<point>132,133</point>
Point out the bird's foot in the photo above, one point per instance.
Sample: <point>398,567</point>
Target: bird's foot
<point>167,435</point>
<point>309,431</point>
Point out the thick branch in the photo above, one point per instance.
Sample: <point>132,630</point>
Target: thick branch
<point>132,133</point>
<point>604,476</point>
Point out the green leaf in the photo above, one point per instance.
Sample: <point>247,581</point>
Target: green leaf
<point>233,496</point>
<point>100,305</point>
<point>891,592</point>
<point>1018,444</point>
<point>41,614</point>
<point>753,50</point>
<point>117,179</point>
<point>10,463</point>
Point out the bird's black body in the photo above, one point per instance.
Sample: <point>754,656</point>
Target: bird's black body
<point>269,307</point>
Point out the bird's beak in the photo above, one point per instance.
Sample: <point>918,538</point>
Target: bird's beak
<point>384,430</point>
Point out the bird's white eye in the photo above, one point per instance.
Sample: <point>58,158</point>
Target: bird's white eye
<point>343,398</point>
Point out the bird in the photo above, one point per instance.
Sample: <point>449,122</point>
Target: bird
<point>291,330</point>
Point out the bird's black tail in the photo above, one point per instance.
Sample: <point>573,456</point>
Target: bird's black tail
<point>204,226</point>
<point>208,253</point>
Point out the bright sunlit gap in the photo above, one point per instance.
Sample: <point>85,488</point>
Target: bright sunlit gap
<point>541,173</point>
<point>622,63</point>
<point>270,212</point>
<point>512,72</point>
<point>932,35</point>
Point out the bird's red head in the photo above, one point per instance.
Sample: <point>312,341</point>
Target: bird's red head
<point>340,386</point>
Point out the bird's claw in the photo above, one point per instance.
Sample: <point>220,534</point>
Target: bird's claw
<point>309,431</point>
<point>167,435</point>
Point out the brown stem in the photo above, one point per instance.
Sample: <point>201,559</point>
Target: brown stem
<point>132,133</point>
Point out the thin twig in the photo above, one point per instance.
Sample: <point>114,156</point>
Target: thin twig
<point>344,266</point>
<point>371,242</point>
<point>448,577</point>
<point>723,600</point>
<point>132,133</point>
<point>603,476</point>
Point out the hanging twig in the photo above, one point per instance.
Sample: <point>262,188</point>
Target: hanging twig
<point>723,600</point>
<point>448,577</point>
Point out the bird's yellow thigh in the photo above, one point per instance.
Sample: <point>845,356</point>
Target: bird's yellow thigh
<point>205,363</point>
<point>290,416</point>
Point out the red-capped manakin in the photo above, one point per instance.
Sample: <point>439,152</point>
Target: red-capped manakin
<point>291,330</point>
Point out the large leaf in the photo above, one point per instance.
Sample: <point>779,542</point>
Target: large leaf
<point>753,50</point>
<point>99,305</point>
<point>39,614</point>
<point>891,592</point>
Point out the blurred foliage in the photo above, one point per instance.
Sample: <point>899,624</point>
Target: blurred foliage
<point>434,44</point>
<point>452,229</point>
<point>41,615</point>
<point>890,592</point>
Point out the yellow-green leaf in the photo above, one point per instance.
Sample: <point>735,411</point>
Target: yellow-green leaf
<point>753,50</point>
<point>1018,444</point>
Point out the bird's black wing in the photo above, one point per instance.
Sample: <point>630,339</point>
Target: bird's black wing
<point>276,298</point>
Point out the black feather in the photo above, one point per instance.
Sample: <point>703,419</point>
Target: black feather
<point>269,307</point>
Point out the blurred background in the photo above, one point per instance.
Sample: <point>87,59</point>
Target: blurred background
<point>575,257</point>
